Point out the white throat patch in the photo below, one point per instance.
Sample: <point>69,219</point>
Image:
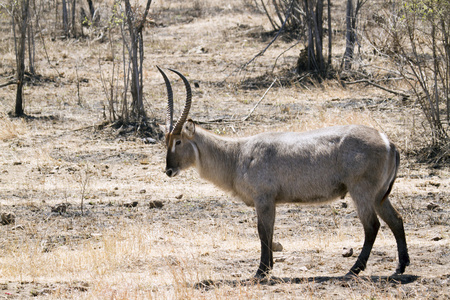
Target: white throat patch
<point>197,154</point>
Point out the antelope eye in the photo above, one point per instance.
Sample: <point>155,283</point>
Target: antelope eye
<point>178,142</point>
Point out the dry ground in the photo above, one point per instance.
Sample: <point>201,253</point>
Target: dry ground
<point>201,243</point>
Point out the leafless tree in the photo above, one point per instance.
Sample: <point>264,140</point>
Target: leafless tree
<point>305,17</point>
<point>420,35</point>
<point>429,63</point>
<point>130,21</point>
<point>351,17</point>
<point>65,18</point>
<point>135,22</point>
<point>314,17</point>
<point>74,6</point>
<point>30,38</point>
<point>289,12</point>
<point>20,15</point>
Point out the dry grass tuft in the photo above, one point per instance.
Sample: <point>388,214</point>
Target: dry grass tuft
<point>11,128</point>
<point>199,234</point>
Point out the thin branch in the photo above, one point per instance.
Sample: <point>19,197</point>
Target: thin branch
<point>144,16</point>
<point>270,44</point>
<point>274,25</point>
<point>8,83</point>
<point>45,50</point>
<point>256,105</point>
<point>378,86</point>
<point>282,53</point>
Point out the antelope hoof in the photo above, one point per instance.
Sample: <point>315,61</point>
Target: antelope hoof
<point>171,172</point>
<point>261,275</point>
<point>351,275</point>
<point>400,269</point>
<point>403,263</point>
<point>354,271</point>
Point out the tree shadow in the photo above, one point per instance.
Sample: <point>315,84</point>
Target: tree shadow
<point>34,117</point>
<point>395,279</point>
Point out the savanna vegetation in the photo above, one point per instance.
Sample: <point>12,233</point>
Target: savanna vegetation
<point>86,210</point>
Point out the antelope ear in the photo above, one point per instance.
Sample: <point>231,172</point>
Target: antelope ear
<point>189,129</point>
<point>163,128</point>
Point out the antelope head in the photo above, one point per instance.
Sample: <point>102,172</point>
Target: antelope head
<point>181,152</point>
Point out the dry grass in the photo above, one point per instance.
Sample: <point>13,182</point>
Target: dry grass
<point>200,235</point>
<point>11,128</point>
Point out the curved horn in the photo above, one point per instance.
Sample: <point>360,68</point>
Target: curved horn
<point>169,116</point>
<point>187,105</point>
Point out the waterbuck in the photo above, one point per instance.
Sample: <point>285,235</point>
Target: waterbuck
<point>291,167</point>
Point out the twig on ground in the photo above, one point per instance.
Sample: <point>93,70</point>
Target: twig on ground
<point>398,93</point>
<point>256,105</point>
<point>282,53</point>
<point>8,83</point>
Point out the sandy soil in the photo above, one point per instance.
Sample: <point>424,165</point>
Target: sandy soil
<point>84,196</point>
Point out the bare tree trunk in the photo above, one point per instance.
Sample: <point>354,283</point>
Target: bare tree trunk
<point>56,16</point>
<point>310,45</point>
<point>351,28</point>
<point>288,13</point>
<point>20,54</point>
<point>31,48</point>
<point>74,33</point>
<point>91,9</point>
<point>314,22</point>
<point>330,34</point>
<point>125,114</point>
<point>446,62</point>
<point>136,54</point>
<point>141,72</point>
<point>349,36</point>
<point>94,16</point>
<point>135,88</point>
<point>318,30</point>
<point>65,19</point>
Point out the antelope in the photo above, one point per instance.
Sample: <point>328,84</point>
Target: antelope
<point>292,167</point>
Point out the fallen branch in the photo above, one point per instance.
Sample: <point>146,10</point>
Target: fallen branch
<point>378,86</point>
<point>8,83</point>
<point>256,105</point>
<point>219,120</point>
